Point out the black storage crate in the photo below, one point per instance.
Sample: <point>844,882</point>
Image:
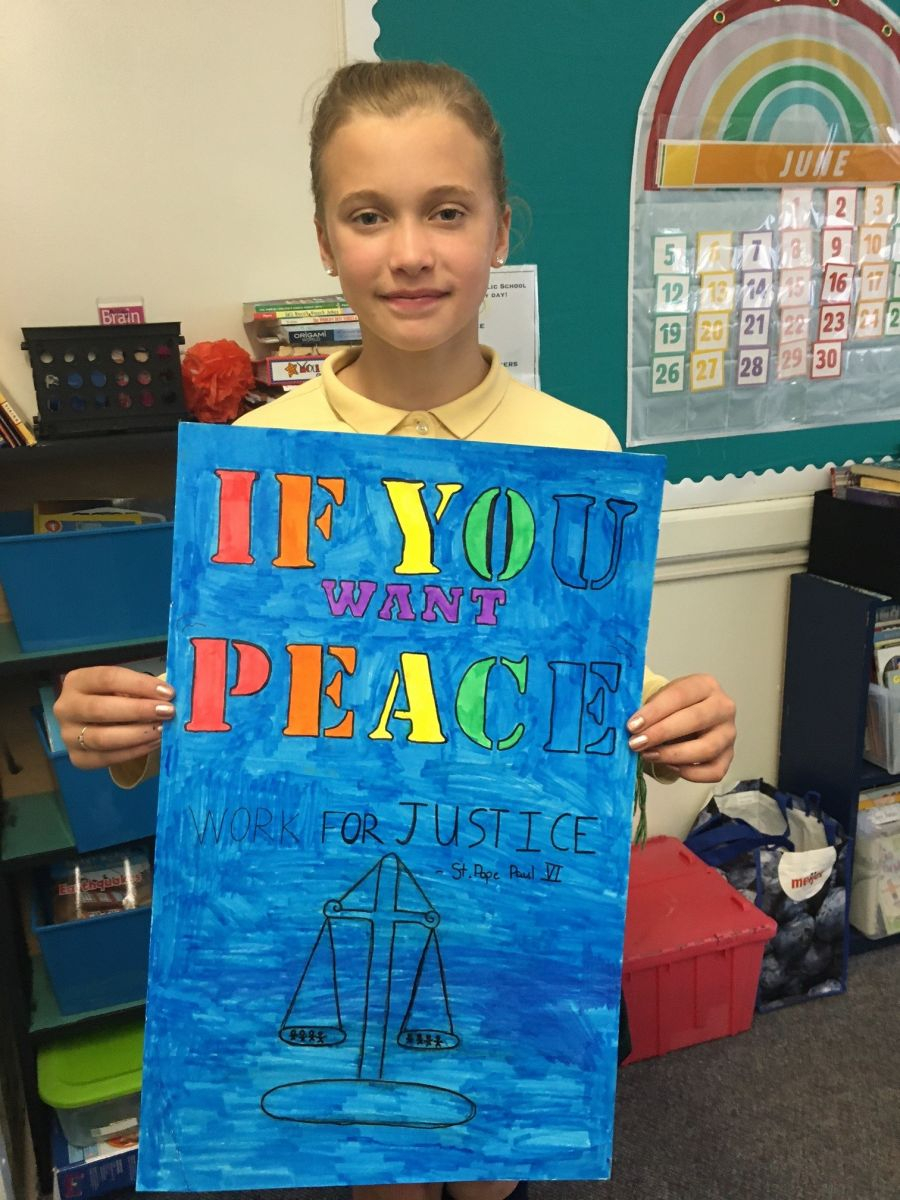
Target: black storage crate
<point>856,543</point>
<point>106,379</point>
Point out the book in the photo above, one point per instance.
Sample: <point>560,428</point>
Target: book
<point>300,302</point>
<point>863,495</point>
<point>346,318</point>
<point>318,318</point>
<point>127,1193</point>
<point>301,306</point>
<point>290,370</point>
<point>879,797</point>
<point>64,516</point>
<point>302,314</point>
<point>872,477</point>
<point>320,335</point>
<point>11,433</point>
<point>884,470</point>
<point>23,431</point>
<point>8,435</point>
<point>93,885</point>
<point>84,1172</point>
<point>879,484</point>
<point>887,663</point>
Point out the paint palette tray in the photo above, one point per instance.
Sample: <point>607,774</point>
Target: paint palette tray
<point>97,379</point>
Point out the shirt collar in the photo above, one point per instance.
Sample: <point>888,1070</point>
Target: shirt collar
<point>461,416</point>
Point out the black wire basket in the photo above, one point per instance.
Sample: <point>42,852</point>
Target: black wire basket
<point>106,379</point>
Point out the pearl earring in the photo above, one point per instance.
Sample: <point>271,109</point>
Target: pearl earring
<point>330,271</point>
<point>498,261</point>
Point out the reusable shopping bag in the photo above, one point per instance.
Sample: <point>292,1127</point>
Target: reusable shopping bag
<point>792,860</point>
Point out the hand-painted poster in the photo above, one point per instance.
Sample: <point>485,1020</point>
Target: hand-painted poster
<point>394,810</point>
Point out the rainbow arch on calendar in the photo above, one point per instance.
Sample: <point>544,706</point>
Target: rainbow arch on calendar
<point>766,84</point>
<point>759,71</point>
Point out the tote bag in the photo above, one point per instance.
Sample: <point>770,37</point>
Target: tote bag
<point>793,861</point>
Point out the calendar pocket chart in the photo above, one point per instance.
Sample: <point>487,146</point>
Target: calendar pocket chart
<point>777,306</point>
<point>766,218</point>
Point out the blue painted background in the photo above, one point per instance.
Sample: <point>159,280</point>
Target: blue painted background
<point>531,968</point>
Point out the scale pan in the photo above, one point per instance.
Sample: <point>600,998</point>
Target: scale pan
<point>367,1102</point>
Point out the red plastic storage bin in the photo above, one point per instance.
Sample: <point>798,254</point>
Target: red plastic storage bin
<point>693,950</point>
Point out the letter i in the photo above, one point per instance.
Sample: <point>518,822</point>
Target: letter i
<point>235,492</point>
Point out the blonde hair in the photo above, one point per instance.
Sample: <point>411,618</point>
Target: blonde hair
<point>392,88</point>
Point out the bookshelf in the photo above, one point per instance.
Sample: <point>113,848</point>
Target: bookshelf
<point>15,661</point>
<point>46,1017</point>
<point>34,828</point>
<point>829,656</point>
<point>856,544</point>
<point>123,464</point>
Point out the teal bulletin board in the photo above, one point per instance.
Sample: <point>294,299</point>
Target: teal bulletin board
<point>566,82</point>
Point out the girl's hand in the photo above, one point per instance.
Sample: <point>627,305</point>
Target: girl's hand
<point>110,715</point>
<point>688,725</point>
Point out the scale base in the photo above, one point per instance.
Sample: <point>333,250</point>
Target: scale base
<point>367,1102</point>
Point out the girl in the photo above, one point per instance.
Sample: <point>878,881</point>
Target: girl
<point>411,214</point>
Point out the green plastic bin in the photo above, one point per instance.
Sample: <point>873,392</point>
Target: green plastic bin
<point>92,1081</point>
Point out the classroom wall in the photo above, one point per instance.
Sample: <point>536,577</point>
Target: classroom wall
<point>720,605</point>
<point>158,148</point>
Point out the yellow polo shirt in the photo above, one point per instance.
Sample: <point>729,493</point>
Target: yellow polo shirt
<point>499,409</point>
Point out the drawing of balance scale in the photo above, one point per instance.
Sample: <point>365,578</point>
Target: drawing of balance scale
<point>386,899</point>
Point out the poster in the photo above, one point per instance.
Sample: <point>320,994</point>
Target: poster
<point>509,321</point>
<point>395,810</point>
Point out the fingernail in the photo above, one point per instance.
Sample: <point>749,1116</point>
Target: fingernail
<point>635,724</point>
<point>651,755</point>
<point>165,710</point>
<point>165,690</point>
<point>158,729</point>
<point>636,742</point>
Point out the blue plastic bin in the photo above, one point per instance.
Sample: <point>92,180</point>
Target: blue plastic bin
<point>95,963</point>
<point>87,587</point>
<point>100,813</point>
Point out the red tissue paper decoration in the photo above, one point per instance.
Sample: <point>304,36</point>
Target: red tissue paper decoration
<point>217,376</point>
